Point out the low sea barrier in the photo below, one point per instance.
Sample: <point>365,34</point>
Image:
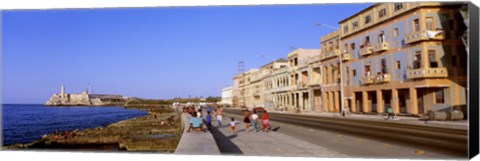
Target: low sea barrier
<point>159,131</point>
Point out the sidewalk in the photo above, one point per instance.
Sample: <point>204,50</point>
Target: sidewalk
<point>199,143</point>
<point>257,143</point>
<point>411,120</point>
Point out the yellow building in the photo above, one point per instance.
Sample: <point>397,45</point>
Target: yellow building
<point>300,74</point>
<point>407,56</point>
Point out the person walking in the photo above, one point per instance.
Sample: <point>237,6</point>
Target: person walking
<point>219,116</point>
<point>390,113</point>
<point>344,111</point>
<point>246,119</point>
<point>254,119</point>
<point>209,121</point>
<point>266,121</point>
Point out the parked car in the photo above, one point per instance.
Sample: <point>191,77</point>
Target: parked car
<point>259,109</point>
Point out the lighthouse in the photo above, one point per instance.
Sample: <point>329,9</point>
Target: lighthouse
<point>62,91</point>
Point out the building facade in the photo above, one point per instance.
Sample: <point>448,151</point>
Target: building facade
<point>408,56</point>
<point>227,96</point>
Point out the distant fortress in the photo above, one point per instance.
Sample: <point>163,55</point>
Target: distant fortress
<point>85,99</point>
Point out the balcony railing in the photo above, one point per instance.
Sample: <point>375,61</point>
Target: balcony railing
<point>424,35</point>
<point>331,54</point>
<point>381,47</point>
<point>366,80</point>
<point>382,78</point>
<point>346,56</point>
<point>427,73</point>
<point>314,81</point>
<point>366,50</point>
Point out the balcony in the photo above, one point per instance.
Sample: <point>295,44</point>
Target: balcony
<point>346,56</point>
<point>331,54</point>
<point>427,73</point>
<point>314,82</point>
<point>424,35</point>
<point>381,47</point>
<point>366,80</point>
<point>383,78</point>
<point>366,50</point>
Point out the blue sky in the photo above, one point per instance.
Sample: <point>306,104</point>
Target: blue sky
<point>157,53</point>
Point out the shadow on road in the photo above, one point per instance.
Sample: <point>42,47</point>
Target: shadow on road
<point>224,144</point>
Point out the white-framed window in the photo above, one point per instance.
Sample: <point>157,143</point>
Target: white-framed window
<point>368,19</point>
<point>354,25</point>
<point>382,12</point>
<point>397,6</point>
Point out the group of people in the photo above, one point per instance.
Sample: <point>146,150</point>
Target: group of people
<point>251,119</point>
<point>215,112</point>
<point>197,122</point>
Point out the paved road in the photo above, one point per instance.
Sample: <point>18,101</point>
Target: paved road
<point>257,143</point>
<point>340,138</point>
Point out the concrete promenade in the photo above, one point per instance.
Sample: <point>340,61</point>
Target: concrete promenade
<point>220,140</point>
<point>196,143</point>
<point>257,143</point>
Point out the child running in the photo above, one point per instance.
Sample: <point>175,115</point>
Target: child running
<point>232,126</point>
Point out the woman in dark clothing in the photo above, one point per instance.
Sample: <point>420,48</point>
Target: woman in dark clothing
<point>246,119</point>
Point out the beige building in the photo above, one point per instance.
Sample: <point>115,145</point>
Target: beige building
<point>408,56</point>
<point>300,74</point>
<point>227,96</point>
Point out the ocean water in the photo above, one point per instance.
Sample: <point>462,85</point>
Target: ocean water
<point>26,123</point>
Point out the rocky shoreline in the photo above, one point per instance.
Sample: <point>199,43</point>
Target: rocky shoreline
<point>159,131</point>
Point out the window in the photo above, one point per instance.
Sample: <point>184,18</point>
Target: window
<point>354,25</point>
<point>432,58</point>
<point>352,46</point>
<point>398,6</point>
<point>367,70</point>
<point>367,19</point>
<point>416,25</point>
<point>384,66</point>
<point>454,60</point>
<point>382,13</point>
<point>395,32</point>
<point>381,37</point>
<point>354,72</point>
<point>398,65</point>
<point>439,96</point>
<point>367,40</point>
<point>417,60</point>
<point>345,28</point>
<point>429,23</point>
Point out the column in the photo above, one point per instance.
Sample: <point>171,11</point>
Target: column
<point>380,102</point>
<point>395,103</point>
<point>413,109</point>
<point>353,103</point>
<point>330,102</point>
<point>366,107</point>
<point>325,101</point>
<point>300,101</point>
<point>337,101</point>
